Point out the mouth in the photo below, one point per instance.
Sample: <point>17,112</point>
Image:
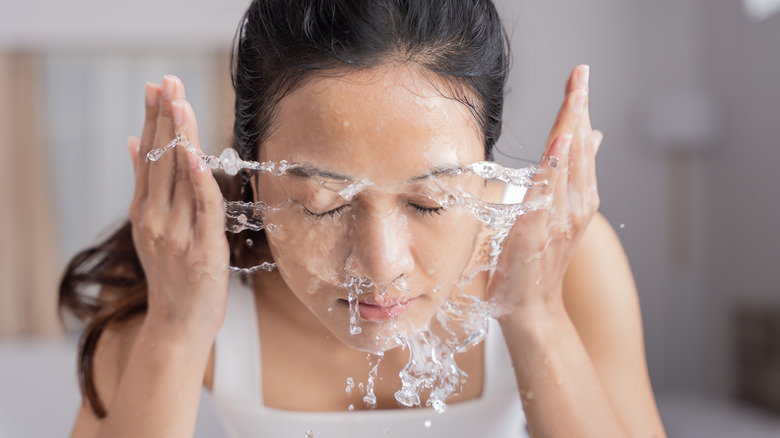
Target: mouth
<point>374,311</point>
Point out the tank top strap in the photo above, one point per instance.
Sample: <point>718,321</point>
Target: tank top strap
<point>237,374</point>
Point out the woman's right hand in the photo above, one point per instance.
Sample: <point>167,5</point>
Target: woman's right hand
<point>178,221</point>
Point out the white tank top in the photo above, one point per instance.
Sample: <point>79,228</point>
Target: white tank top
<point>237,391</point>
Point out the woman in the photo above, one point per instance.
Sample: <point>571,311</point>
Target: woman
<point>385,91</point>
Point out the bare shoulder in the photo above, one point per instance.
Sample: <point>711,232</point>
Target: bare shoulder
<point>111,357</point>
<point>602,301</point>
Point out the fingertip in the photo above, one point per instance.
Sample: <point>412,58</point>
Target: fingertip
<point>582,73</point>
<point>133,146</point>
<point>152,94</point>
<point>174,87</point>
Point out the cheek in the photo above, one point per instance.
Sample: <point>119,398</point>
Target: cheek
<point>308,253</point>
<point>444,248</point>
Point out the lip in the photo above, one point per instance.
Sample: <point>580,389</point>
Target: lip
<point>373,311</point>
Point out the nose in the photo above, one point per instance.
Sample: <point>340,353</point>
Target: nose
<point>380,248</point>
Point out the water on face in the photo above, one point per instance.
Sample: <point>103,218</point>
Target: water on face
<point>459,324</point>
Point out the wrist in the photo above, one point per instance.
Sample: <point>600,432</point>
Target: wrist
<point>176,337</point>
<point>535,321</point>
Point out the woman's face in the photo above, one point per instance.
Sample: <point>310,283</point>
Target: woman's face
<point>364,207</point>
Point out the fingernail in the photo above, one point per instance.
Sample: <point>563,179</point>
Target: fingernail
<point>583,77</point>
<point>151,95</point>
<point>579,103</point>
<point>178,113</point>
<point>168,83</point>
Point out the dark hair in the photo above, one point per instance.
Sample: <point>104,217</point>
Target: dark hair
<point>460,44</point>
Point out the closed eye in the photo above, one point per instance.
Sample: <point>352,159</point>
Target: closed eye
<point>331,213</point>
<point>426,210</point>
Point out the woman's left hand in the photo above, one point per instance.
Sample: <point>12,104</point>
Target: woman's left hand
<point>537,251</point>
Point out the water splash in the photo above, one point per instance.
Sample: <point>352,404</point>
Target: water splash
<point>265,266</point>
<point>370,398</point>
<point>460,323</point>
<point>350,385</point>
<point>522,177</point>
<point>354,314</point>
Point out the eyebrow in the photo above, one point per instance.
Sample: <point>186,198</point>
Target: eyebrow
<point>310,171</point>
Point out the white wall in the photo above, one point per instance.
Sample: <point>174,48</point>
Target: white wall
<point>742,65</point>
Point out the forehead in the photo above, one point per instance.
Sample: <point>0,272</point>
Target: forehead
<point>387,123</point>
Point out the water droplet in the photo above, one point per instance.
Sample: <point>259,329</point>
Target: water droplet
<point>330,309</point>
<point>346,123</point>
<point>249,242</point>
<point>553,161</point>
<point>154,154</point>
<point>351,407</point>
<point>229,159</point>
<point>427,423</point>
<point>354,314</point>
<point>622,226</point>
<point>309,434</point>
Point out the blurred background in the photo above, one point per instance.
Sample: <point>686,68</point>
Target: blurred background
<point>687,93</point>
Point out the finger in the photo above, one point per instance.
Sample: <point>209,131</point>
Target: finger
<point>578,79</point>
<point>580,161</point>
<point>559,158</point>
<point>573,106</point>
<point>153,93</point>
<point>209,204</point>
<point>552,170</point>
<point>593,146</point>
<point>567,117</point>
<point>161,172</point>
<point>183,203</point>
<point>133,146</point>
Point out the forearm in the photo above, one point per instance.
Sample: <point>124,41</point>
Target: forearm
<point>158,393</point>
<point>561,392</point>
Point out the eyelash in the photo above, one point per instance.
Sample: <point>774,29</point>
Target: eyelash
<point>332,213</point>
<point>426,210</point>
